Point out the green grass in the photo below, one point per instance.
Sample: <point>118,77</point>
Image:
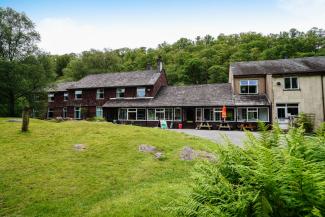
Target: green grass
<point>42,175</point>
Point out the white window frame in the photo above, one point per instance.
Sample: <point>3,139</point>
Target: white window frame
<point>248,84</point>
<point>65,95</point>
<point>217,110</point>
<point>120,90</point>
<point>99,92</point>
<point>286,106</point>
<point>290,88</point>
<point>99,110</point>
<point>65,112</point>
<point>78,92</point>
<point>196,114</point>
<point>75,110</point>
<point>50,97</point>
<point>257,108</point>
<point>48,111</point>
<point>119,112</point>
<point>144,90</point>
<point>180,112</point>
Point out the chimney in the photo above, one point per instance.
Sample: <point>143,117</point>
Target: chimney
<point>159,64</point>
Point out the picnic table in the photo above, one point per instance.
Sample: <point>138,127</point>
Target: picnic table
<point>224,126</point>
<point>247,126</point>
<point>201,125</point>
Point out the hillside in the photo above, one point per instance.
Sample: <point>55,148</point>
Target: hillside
<point>42,174</point>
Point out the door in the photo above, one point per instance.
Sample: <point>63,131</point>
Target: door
<point>282,117</point>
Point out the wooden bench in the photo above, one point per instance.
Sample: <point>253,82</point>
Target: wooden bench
<point>247,126</point>
<point>224,126</point>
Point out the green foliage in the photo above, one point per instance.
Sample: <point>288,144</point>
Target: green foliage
<point>97,119</point>
<point>273,175</point>
<point>304,121</point>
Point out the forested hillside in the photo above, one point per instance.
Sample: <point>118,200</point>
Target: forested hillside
<point>204,60</point>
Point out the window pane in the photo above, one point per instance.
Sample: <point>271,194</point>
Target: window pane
<point>99,112</point>
<point>208,114</point>
<point>292,111</point>
<point>230,114</point>
<point>168,114</point>
<point>281,113</point>
<point>141,92</point>
<point>294,83</point>
<point>244,82</point>
<point>252,114</point>
<point>132,115</point>
<point>242,114</point>
<point>252,82</point>
<point>263,114</point>
<point>141,114</point>
<point>151,114</point>
<point>199,114</point>
<point>120,92</point>
<point>252,89</point>
<point>160,114</point>
<point>243,89</point>
<point>122,114</point>
<point>178,114</point>
<point>287,83</point>
<point>217,115</point>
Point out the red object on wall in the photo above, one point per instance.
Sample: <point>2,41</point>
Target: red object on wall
<point>224,112</point>
<point>180,126</point>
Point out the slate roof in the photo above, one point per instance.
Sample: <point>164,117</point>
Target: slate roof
<point>283,66</point>
<point>118,79</point>
<point>194,95</point>
<point>61,87</point>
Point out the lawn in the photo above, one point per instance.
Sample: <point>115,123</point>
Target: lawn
<point>41,174</point>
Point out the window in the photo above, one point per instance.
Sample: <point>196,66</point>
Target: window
<point>141,92</point>
<point>66,96</point>
<point>230,114</point>
<point>77,112</point>
<point>252,114</point>
<point>65,112</point>
<point>199,114</point>
<point>286,110</point>
<point>208,114</point>
<point>100,94</point>
<point>50,113</point>
<point>132,114</point>
<point>141,114</point>
<point>120,92</point>
<point>178,114</point>
<point>99,112</point>
<point>151,114</point>
<point>50,97</point>
<point>248,86</point>
<point>78,94</point>
<point>217,114</point>
<point>291,83</point>
<point>169,114</point>
<point>122,114</point>
<point>160,114</point>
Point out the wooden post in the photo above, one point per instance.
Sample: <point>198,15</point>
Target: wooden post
<point>25,116</point>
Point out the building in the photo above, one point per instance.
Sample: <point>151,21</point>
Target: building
<point>264,91</point>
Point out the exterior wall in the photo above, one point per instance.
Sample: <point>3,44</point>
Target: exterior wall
<point>261,84</point>
<point>309,96</point>
<point>161,82</point>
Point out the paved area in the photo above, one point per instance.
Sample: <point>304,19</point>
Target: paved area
<point>237,137</point>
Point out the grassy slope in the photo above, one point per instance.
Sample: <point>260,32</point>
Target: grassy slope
<point>42,175</point>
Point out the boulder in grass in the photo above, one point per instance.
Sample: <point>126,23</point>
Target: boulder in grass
<point>188,153</point>
<point>79,147</point>
<point>147,148</point>
<point>14,120</point>
<point>159,155</point>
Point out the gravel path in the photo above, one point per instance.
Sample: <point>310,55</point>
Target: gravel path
<point>237,137</point>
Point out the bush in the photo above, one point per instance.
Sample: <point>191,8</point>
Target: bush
<point>96,119</point>
<point>304,121</point>
<point>273,175</point>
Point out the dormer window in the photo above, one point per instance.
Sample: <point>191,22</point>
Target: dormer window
<point>65,96</point>
<point>100,94</point>
<point>141,92</point>
<point>291,83</point>
<point>120,92</point>
<point>50,97</point>
<point>78,94</point>
<point>248,86</point>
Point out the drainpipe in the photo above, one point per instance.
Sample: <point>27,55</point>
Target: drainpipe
<point>323,100</point>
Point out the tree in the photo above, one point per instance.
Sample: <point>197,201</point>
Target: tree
<point>195,72</point>
<point>18,40</point>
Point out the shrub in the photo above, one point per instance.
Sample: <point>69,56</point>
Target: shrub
<point>273,175</point>
<point>304,121</point>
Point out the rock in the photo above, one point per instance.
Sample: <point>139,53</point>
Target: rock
<point>13,120</point>
<point>159,155</point>
<point>188,153</point>
<point>79,147</point>
<point>147,148</point>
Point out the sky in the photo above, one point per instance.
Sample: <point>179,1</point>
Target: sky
<point>69,26</point>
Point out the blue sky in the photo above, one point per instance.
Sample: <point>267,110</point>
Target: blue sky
<point>74,26</point>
